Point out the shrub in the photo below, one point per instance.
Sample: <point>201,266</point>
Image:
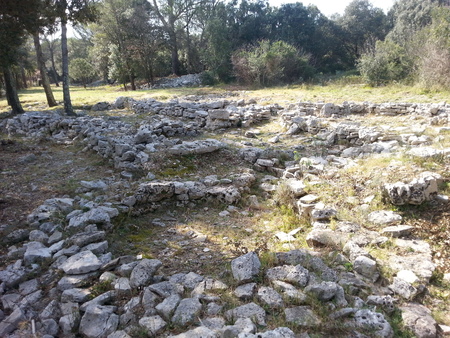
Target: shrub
<point>81,71</point>
<point>389,62</point>
<point>271,63</point>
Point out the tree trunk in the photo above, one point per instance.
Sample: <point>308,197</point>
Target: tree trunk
<point>54,73</point>
<point>11,92</point>
<point>65,65</point>
<point>24,78</point>
<point>175,59</point>
<point>41,65</point>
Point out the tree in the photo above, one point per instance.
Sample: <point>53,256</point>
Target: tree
<point>217,53</point>
<point>43,71</point>
<point>16,19</point>
<point>363,26</point>
<point>81,71</point>
<point>270,63</point>
<point>76,11</point>
<point>53,48</point>
<point>175,16</point>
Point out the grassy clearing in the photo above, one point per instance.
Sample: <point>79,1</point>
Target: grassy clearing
<point>34,98</point>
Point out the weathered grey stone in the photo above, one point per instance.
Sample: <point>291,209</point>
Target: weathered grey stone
<point>82,239</point>
<point>166,289</point>
<point>153,324</point>
<point>324,291</point>
<point>11,323</point>
<point>105,298</point>
<point>69,323</point>
<point>323,214</point>
<point>36,252</point>
<point>302,316</point>
<point>279,332</point>
<point>149,299</point>
<point>99,215</point>
<point>297,274</point>
<point>398,230</point>
<point>251,310</point>
<point>99,321</point>
<point>374,322</point>
<point>28,287</point>
<point>50,327</point>
<point>50,311</point>
<point>324,237</point>
<point>122,286</point>
<point>96,248</point>
<point>403,288</point>
<point>384,217</point>
<point>199,332</point>
<point>38,236</point>
<point>74,281</point>
<point>366,267</point>
<point>167,307</point>
<point>290,291</point>
<point>386,302</point>
<point>246,267</point>
<point>75,295</point>
<point>81,263</point>
<point>245,291</point>
<point>154,191</point>
<point>94,185</point>
<point>119,334</point>
<point>143,272</point>
<point>196,147</point>
<point>270,297</point>
<point>187,311</point>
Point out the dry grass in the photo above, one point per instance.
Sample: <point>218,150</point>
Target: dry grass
<point>335,92</point>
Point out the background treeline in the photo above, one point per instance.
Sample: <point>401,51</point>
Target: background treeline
<point>135,41</point>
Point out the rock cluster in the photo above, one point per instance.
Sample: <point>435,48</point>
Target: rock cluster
<point>62,279</point>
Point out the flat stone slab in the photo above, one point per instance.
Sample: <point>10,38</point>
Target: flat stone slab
<point>398,230</point>
<point>384,217</point>
<point>302,316</point>
<point>153,324</point>
<point>80,263</point>
<point>253,311</point>
<point>196,147</point>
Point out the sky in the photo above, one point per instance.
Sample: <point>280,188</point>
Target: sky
<point>329,7</point>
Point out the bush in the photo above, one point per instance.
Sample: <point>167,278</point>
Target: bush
<point>389,62</point>
<point>81,71</point>
<point>271,63</point>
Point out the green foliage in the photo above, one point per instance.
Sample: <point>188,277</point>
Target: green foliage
<point>389,62</point>
<point>81,71</point>
<point>271,63</point>
<point>434,51</point>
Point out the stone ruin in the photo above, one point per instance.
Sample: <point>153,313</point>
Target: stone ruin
<point>58,300</point>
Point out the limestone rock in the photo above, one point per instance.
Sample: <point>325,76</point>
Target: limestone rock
<point>81,263</point>
<point>302,316</point>
<point>270,297</point>
<point>245,291</point>
<point>418,318</point>
<point>99,321</point>
<point>187,311</point>
<point>143,272</point>
<point>373,322</point>
<point>10,323</point>
<point>366,267</point>
<point>297,275</point>
<point>153,324</point>
<point>196,147</point>
<point>246,267</point>
<point>251,310</point>
<point>384,217</point>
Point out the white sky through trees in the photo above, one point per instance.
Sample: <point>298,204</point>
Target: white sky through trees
<point>330,7</point>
